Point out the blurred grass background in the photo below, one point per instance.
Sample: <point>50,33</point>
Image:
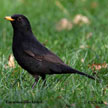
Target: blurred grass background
<point>61,90</point>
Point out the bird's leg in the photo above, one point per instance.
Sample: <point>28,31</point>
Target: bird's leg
<point>44,79</point>
<point>36,80</point>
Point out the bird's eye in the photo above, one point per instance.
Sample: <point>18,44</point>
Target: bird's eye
<point>19,19</point>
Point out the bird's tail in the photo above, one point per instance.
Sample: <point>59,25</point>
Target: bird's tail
<point>81,73</point>
<point>68,70</point>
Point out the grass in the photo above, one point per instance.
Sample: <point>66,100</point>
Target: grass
<point>61,90</point>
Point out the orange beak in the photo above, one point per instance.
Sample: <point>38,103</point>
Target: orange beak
<point>9,18</point>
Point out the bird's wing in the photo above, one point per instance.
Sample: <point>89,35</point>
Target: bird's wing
<point>49,57</point>
<point>36,50</point>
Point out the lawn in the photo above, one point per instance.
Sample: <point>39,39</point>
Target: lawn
<point>82,45</point>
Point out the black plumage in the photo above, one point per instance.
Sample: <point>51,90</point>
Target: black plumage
<point>32,55</point>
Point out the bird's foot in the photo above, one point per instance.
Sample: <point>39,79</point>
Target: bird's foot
<point>34,84</point>
<point>36,80</point>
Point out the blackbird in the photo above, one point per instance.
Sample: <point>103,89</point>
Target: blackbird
<point>33,56</point>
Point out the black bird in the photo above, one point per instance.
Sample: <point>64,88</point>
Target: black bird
<point>32,55</point>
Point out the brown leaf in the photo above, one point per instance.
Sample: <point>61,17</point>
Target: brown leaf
<point>98,66</point>
<point>80,19</point>
<point>84,46</point>
<point>97,106</point>
<point>82,60</point>
<point>64,24</point>
<point>106,103</point>
<point>11,63</point>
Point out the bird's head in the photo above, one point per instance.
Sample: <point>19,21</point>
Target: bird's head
<point>19,22</point>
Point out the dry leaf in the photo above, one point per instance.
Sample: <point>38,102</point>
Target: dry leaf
<point>11,63</point>
<point>82,60</point>
<point>64,24</point>
<point>80,19</point>
<point>84,46</point>
<point>98,66</point>
<point>97,106</point>
<point>106,103</point>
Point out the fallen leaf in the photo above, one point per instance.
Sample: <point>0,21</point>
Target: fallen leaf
<point>84,46</point>
<point>64,24</point>
<point>11,63</point>
<point>97,106</point>
<point>98,66</point>
<point>106,103</point>
<point>82,60</point>
<point>80,19</point>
